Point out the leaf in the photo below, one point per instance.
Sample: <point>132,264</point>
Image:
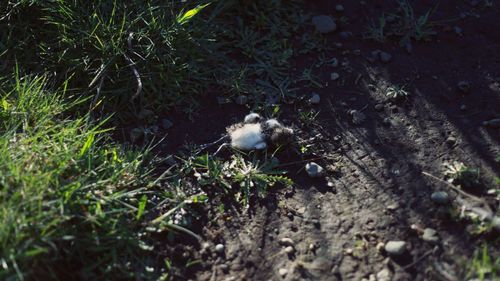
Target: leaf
<point>37,251</point>
<point>142,207</point>
<point>182,19</point>
<point>88,144</point>
<point>5,104</point>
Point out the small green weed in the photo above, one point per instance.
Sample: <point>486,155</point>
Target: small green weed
<point>396,92</point>
<point>484,265</point>
<point>238,177</point>
<point>403,25</point>
<point>459,174</point>
<point>308,117</point>
<point>254,177</point>
<point>377,31</point>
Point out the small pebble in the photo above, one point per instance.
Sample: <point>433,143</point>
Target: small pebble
<point>335,62</point>
<point>393,207</point>
<point>289,250</point>
<point>380,246</point>
<point>287,242</point>
<point>219,248</point>
<point>224,268</point>
<point>451,141</point>
<point>241,100</point>
<point>395,248</point>
<point>315,99</point>
<point>379,107</point>
<point>282,272</point>
<point>384,275</point>
<point>440,197</point>
<point>334,76</point>
<point>339,8</point>
<point>205,246</point>
<point>430,235</point>
<point>463,107</point>
<point>314,170</point>
<point>324,24</point>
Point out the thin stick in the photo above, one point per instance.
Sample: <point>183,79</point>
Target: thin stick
<point>220,148</point>
<point>420,258</point>
<point>207,145</point>
<point>185,230</point>
<point>132,65</point>
<point>475,198</point>
<point>171,211</point>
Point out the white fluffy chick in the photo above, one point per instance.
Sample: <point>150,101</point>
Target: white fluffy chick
<point>252,118</point>
<point>255,133</point>
<point>247,136</point>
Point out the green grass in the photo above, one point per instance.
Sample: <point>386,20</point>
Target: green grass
<point>404,25</point>
<point>112,47</point>
<point>77,205</point>
<point>484,265</point>
<point>156,55</point>
<point>74,204</point>
<point>71,202</point>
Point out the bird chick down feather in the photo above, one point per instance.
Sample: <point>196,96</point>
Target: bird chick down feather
<point>247,136</point>
<point>252,118</point>
<point>257,133</point>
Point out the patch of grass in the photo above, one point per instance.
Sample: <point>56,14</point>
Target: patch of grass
<point>308,117</point>
<point>262,32</point>
<point>484,265</point>
<point>403,25</point>
<point>133,56</point>
<point>377,31</point>
<point>152,53</point>
<point>72,203</point>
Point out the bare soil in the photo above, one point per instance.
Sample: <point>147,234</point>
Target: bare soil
<point>374,189</point>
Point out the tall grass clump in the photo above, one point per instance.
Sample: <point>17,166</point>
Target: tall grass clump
<point>135,53</point>
<point>71,202</point>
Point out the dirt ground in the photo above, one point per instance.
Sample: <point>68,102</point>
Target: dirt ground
<point>374,189</point>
